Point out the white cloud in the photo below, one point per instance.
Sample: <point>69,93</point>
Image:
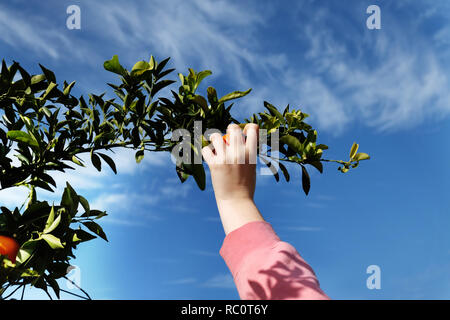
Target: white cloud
<point>127,208</point>
<point>400,86</point>
<point>388,79</point>
<point>182,281</point>
<point>383,79</point>
<point>204,253</point>
<point>36,33</point>
<point>212,219</point>
<point>224,281</point>
<point>13,197</point>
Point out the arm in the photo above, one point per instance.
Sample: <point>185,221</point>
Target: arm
<point>263,266</point>
<point>233,173</point>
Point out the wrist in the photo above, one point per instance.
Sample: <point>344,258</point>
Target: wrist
<point>235,213</point>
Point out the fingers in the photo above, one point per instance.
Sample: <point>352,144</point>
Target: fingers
<point>251,126</point>
<point>235,134</point>
<point>236,148</point>
<point>218,143</point>
<point>208,154</point>
<point>251,144</point>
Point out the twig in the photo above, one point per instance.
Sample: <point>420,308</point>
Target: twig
<point>89,298</point>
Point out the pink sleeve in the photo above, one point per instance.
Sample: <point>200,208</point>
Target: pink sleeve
<point>266,268</point>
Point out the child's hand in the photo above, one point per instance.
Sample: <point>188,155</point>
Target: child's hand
<point>233,164</point>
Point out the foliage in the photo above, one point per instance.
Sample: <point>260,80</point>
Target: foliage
<point>47,129</point>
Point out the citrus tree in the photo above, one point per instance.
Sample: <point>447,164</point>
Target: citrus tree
<point>46,129</point>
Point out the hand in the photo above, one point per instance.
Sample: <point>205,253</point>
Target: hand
<point>233,173</point>
<point>233,165</point>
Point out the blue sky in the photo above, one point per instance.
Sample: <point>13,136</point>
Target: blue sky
<point>386,89</point>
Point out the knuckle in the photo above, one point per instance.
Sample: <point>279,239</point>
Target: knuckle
<point>233,126</point>
<point>214,135</point>
<point>251,127</point>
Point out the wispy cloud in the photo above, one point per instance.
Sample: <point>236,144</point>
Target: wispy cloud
<point>212,219</point>
<point>221,281</point>
<point>224,281</point>
<point>339,72</point>
<point>182,281</point>
<point>381,78</point>
<point>24,30</point>
<point>13,197</point>
<point>393,83</point>
<point>204,253</point>
<point>127,208</point>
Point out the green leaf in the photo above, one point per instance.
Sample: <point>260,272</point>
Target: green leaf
<point>306,181</point>
<point>139,68</point>
<point>139,156</point>
<point>96,161</point>
<point>198,171</point>
<point>161,66</point>
<point>40,283</point>
<point>271,167</point>
<point>109,161</point>
<point>285,171</point>
<point>67,200</point>
<point>160,85</point>
<point>95,228</point>
<point>50,219</point>
<point>95,213</point>
<point>312,136</point>
<point>152,63</point>
<point>343,169</point>
<point>322,146</point>
<point>41,184</point>
<point>46,111</point>
<point>46,178</point>
<point>50,87</point>
<point>200,76</point>
<point>353,150</point>
<point>361,156</point>
<point>20,136</point>
<point>81,235</point>
<point>53,242</point>
<point>183,176</point>
<point>273,111</point>
<point>85,205</point>
<point>181,76</point>
<point>318,165</point>
<point>53,284</point>
<point>54,225</point>
<point>25,76</point>
<point>292,142</point>
<point>114,66</point>
<point>212,96</point>
<point>37,79</point>
<point>202,102</point>
<point>77,161</point>
<point>140,65</point>
<point>67,89</point>
<point>25,251</point>
<point>234,95</point>
<point>49,75</point>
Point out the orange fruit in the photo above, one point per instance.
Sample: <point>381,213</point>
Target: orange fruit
<point>226,138</point>
<point>9,247</point>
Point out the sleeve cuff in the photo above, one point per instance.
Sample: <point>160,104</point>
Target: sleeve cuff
<point>244,240</point>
